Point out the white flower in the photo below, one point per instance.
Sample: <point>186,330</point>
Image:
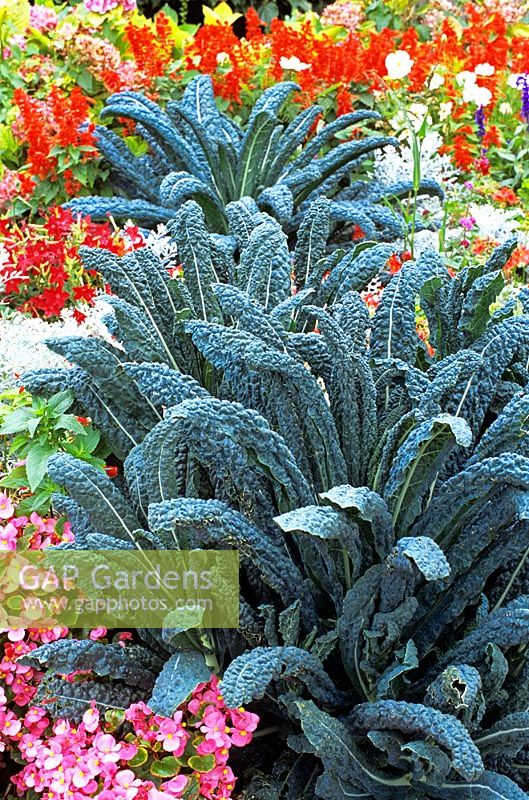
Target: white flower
<point>436,81</point>
<point>445,109</point>
<point>505,108</point>
<point>293,63</point>
<point>410,119</point>
<point>222,58</point>
<point>417,113</point>
<point>485,70</point>
<point>465,78</point>
<point>480,95</point>
<point>514,78</point>
<point>398,64</point>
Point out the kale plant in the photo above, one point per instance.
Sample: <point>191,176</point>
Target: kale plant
<point>374,491</point>
<point>195,151</point>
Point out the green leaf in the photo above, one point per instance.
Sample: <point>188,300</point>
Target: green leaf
<point>139,759</point>
<point>16,421</point>
<point>202,763</point>
<point>70,422</point>
<point>37,463</point>
<point>15,479</point>
<point>60,402</point>
<point>166,768</point>
<point>32,425</point>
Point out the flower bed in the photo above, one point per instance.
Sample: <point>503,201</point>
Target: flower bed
<point>297,331</point>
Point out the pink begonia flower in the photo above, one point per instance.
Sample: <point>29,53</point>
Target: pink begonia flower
<point>128,750</point>
<point>33,778</point>
<point>176,785</point>
<point>210,780</point>
<point>103,6</point>
<point>214,727</point>
<point>156,794</point>
<point>127,780</point>
<point>107,747</point>
<point>16,634</point>
<point>35,716</point>
<point>81,776</point>
<point>52,634</point>
<point>29,745</point>
<point>9,724</point>
<point>54,757</point>
<point>172,736</point>
<point>97,633</point>
<point>59,783</point>
<point>8,537</point>
<point>61,727</point>
<point>94,764</point>
<point>244,723</point>
<point>6,506</point>
<point>91,720</point>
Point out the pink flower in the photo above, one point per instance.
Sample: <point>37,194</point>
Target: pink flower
<point>81,776</point>
<point>43,18</point>
<point>103,6</point>
<point>128,750</point>
<point>50,634</point>
<point>467,223</point>
<point>215,728</point>
<point>16,634</point>
<point>91,720</point>
<point>244,723</point>
<point>176,785</point>
<point>29,746</point>
<point>107,747</point>
<point>126,779</point>
<point>172,736</point>
<point>6,506</point>
<point>97,633</point>
<point>9,724</point>
<point>155,794</point>
<point>8,537</point>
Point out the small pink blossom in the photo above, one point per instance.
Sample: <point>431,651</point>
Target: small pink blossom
<point>467,223</point>
<point>172,736</point>
<point>91,720</point>
<point>107,747</point>
<point>176,785</point>
<point>97,633</point>
<point>7,507</point>
<point>126,780</point>
<point>42,18</point>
